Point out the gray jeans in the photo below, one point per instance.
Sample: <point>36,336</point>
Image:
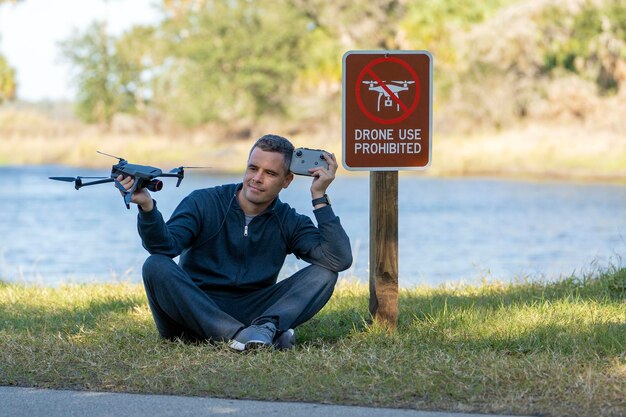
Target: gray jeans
<point>182,309</point>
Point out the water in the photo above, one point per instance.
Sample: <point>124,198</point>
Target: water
<point>450,230</point>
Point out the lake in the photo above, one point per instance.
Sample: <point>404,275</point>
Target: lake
<point>451,230</point>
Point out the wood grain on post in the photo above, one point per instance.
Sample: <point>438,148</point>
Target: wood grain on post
<point>384,247</point>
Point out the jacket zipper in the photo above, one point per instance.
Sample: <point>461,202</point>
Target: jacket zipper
<point>242,254</point>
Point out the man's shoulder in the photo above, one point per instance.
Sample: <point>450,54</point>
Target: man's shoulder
<point>288,213</point>
<point>203,199</point>
<point>225,191</point>
<point>280,207</point>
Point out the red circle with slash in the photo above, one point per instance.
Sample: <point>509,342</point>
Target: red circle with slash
<point>406,111</point>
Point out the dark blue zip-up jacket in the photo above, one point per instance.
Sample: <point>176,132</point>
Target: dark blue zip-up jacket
<point>218,251</point>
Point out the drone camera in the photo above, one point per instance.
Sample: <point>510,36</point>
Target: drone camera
<point>155,185</point>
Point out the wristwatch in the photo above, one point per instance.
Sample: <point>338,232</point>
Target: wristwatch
<point>321,200</point>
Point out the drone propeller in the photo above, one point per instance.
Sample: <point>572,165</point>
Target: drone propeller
<point>67,179</point>
<point>72,179</point>
<point>181,169</point>
<point>372,82</point>
<point>404,82</point>
<point>78,181</point>
<point>112,156</point>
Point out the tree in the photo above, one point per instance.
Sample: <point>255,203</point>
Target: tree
<point>136,68</point>
<point>230,60</point>
<point>7,81</point>
<point>92,54</point>
<point>7,74</point>
<point>362,24</point>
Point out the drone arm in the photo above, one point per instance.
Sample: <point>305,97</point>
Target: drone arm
<point>180,175</point>
<point>84,184</point>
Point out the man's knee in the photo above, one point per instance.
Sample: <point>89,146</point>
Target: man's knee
<point>155,268</point>
<point>325,277</point>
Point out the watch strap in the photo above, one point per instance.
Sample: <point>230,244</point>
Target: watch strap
<point>321,200</point>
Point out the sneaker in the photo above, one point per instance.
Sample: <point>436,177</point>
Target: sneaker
<point>285,340</point>
<point>254,336</point>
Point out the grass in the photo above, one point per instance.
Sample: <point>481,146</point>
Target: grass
<point>554,349</point>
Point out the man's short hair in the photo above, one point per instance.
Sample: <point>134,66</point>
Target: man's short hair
<point>275,143</point>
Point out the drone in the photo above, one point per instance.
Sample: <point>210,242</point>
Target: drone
<point>144,175</point>
<point>395,89</point>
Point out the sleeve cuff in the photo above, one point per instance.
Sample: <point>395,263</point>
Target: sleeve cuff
<point>324,214</point>
<point>148,216</point>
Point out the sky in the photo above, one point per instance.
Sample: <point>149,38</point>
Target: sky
<point>31,30</point>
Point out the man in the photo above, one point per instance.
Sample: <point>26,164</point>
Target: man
<point>232,241</point>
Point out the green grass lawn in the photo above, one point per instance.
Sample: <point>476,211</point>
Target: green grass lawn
<point>554,349</point>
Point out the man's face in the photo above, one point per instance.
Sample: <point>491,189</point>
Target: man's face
<point>265,177</point>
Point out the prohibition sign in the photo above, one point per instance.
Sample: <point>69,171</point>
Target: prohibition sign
<point>368,69</point>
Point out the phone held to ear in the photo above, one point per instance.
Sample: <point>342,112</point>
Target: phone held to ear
<point>304,159</point>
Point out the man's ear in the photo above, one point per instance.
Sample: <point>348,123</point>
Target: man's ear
<point>288,179</point>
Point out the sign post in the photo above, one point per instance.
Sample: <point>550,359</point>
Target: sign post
<point>387,127</point>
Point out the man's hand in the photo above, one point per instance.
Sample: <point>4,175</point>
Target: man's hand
<point>322,177</point>
<point>140,197</point>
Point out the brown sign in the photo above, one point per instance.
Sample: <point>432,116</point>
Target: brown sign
<point>387,110</point>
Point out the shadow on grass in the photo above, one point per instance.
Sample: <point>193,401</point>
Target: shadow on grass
<point>514,319</point>
<point>444,317</point>
<point>67,319</point>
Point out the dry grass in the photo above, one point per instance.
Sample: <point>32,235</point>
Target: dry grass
<point>535,151</point>
<point>541,150</point>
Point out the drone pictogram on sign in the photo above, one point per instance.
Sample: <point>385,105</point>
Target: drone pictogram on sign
<point>394,89</point>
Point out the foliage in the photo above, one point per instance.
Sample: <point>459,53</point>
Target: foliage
<point>496,62</point>
<point>440,26</point>
<point>230,60</point>
<point>7,74</point>
<point>7,81</point>
<point>532,59</point>
<point>591,42</point>
<point>136,68</point>
<point>96,77</point>
<point>359,24</point>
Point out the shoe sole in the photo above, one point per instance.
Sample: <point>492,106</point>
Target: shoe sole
<point>251,345</point>
<point>256,344</point>
<point>289,343</point>
<point>238,346</point>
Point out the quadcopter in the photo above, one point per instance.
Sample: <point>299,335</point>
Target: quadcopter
<point>144,175</point>
<point>395,89</point>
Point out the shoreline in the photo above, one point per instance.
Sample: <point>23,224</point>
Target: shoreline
<point>557,177</point>
<point>532,152</point>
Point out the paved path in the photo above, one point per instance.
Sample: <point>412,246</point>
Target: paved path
<point>31,402</point>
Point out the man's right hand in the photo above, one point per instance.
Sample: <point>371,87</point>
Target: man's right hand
<point>140,197</point>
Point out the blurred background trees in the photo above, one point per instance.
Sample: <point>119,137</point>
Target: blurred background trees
<point>7,73</point>
<point>497,62</point>
<point>7,81</point>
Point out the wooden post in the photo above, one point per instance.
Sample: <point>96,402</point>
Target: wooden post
<point>384,247</point>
